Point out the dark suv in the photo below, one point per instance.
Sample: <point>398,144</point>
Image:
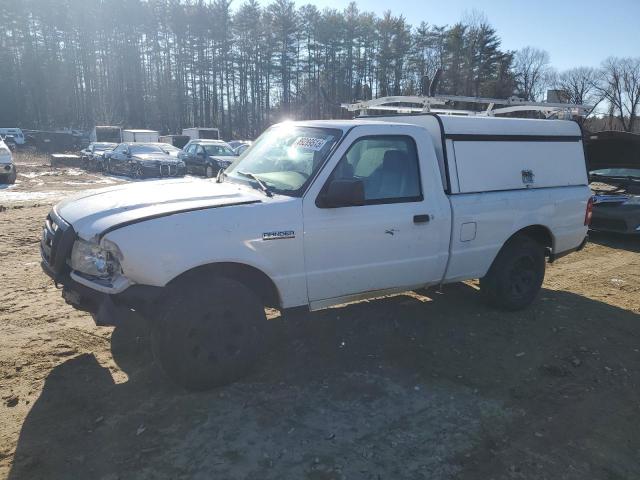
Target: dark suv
<point>207,157</point>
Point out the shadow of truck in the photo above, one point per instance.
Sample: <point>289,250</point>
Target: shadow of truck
<point>411,386</point>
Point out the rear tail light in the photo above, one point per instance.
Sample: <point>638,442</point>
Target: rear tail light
<point>589,213</point>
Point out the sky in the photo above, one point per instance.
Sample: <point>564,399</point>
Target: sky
<point>574,32</point>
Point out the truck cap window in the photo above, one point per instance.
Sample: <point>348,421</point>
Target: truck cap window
<point>286,157</point>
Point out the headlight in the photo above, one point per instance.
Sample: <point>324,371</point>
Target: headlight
<point>92,259</point>
<point>181,164</point>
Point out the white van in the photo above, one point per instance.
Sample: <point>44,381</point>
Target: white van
<point>144,136</point>
<point>202,133</point>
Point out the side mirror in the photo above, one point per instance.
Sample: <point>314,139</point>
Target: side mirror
<point>342,193</point>
<point>201,154</point>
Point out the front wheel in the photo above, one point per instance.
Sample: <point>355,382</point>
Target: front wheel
<point>136,171</point>
<point>209,333</point>
<point>209,171</point>
<point>516,275</point>
<point>11,178</point>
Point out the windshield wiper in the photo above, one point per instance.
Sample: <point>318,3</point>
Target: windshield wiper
<point>263,186</point>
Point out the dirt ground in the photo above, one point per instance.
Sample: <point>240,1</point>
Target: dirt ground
<point>427,385</point>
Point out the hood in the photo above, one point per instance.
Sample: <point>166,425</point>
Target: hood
<point>155,157</point>
<point>613,150</point>
<point>95,212</point>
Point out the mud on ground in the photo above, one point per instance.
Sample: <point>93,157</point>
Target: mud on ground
<point>422,385</point>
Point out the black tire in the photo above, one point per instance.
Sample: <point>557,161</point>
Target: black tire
<point>208,333</point>
<point>11,178</point>
<point>516,275</point>
<point>136,171</point>
<point>208,171</point>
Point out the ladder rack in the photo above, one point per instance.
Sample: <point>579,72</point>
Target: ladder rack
<point>425,104</point>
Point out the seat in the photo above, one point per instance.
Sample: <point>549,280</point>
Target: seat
<point>390,180</point>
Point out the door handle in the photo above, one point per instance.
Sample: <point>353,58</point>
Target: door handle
<point>421,218</point>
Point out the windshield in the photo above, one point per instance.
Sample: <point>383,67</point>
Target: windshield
<point>617,172</point>
<point>218,150</point>
<point>169,148</point>
<point>286,157</point>
<point>145,149</point>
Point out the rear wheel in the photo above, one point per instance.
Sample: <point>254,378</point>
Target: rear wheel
<point>209,333</point>
<point>516,275</point>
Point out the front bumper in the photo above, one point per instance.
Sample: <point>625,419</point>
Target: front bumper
<point>107,309</point>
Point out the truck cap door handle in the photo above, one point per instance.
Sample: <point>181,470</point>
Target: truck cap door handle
<point>421,218</point>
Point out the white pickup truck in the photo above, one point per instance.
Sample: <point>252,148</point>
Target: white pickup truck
<point>321,213</point>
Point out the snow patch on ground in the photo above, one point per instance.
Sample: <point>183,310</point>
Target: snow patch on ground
<point>59,172</point>
<point>7,195</point>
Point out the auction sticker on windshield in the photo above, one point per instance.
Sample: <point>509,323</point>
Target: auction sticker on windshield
<point>310,143</point>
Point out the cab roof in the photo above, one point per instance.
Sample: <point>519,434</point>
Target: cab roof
<point>462,125</point>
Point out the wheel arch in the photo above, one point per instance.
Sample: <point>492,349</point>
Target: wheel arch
<point>252,277</point>
<point>540,233</point>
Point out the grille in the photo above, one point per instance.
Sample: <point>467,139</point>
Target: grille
<point>168,170</point>
<point>609,224</point>
<point>56,243</point>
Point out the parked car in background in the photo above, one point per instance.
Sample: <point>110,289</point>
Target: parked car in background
<point>94,155</point>
<point>16,133</point>
<point>207,157</point>
<point>7,167</point>
<point>236,143</point>
<point>614,173</point>
<point>240,149</point>
<point>144,160</point>
<point>168,148</point>
<point>10,142</point>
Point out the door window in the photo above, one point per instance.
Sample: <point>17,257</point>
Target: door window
<point>386,165</point>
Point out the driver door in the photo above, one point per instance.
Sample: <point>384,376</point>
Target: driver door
<point>397,239</point>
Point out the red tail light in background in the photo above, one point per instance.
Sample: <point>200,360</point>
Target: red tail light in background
<point>589,213</point>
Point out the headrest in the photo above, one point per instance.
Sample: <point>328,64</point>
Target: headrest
<point>394,160</point>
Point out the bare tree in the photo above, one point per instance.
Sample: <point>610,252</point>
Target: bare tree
<point>620,86</point>
<point>532,71</point>
<point>580,86</point>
